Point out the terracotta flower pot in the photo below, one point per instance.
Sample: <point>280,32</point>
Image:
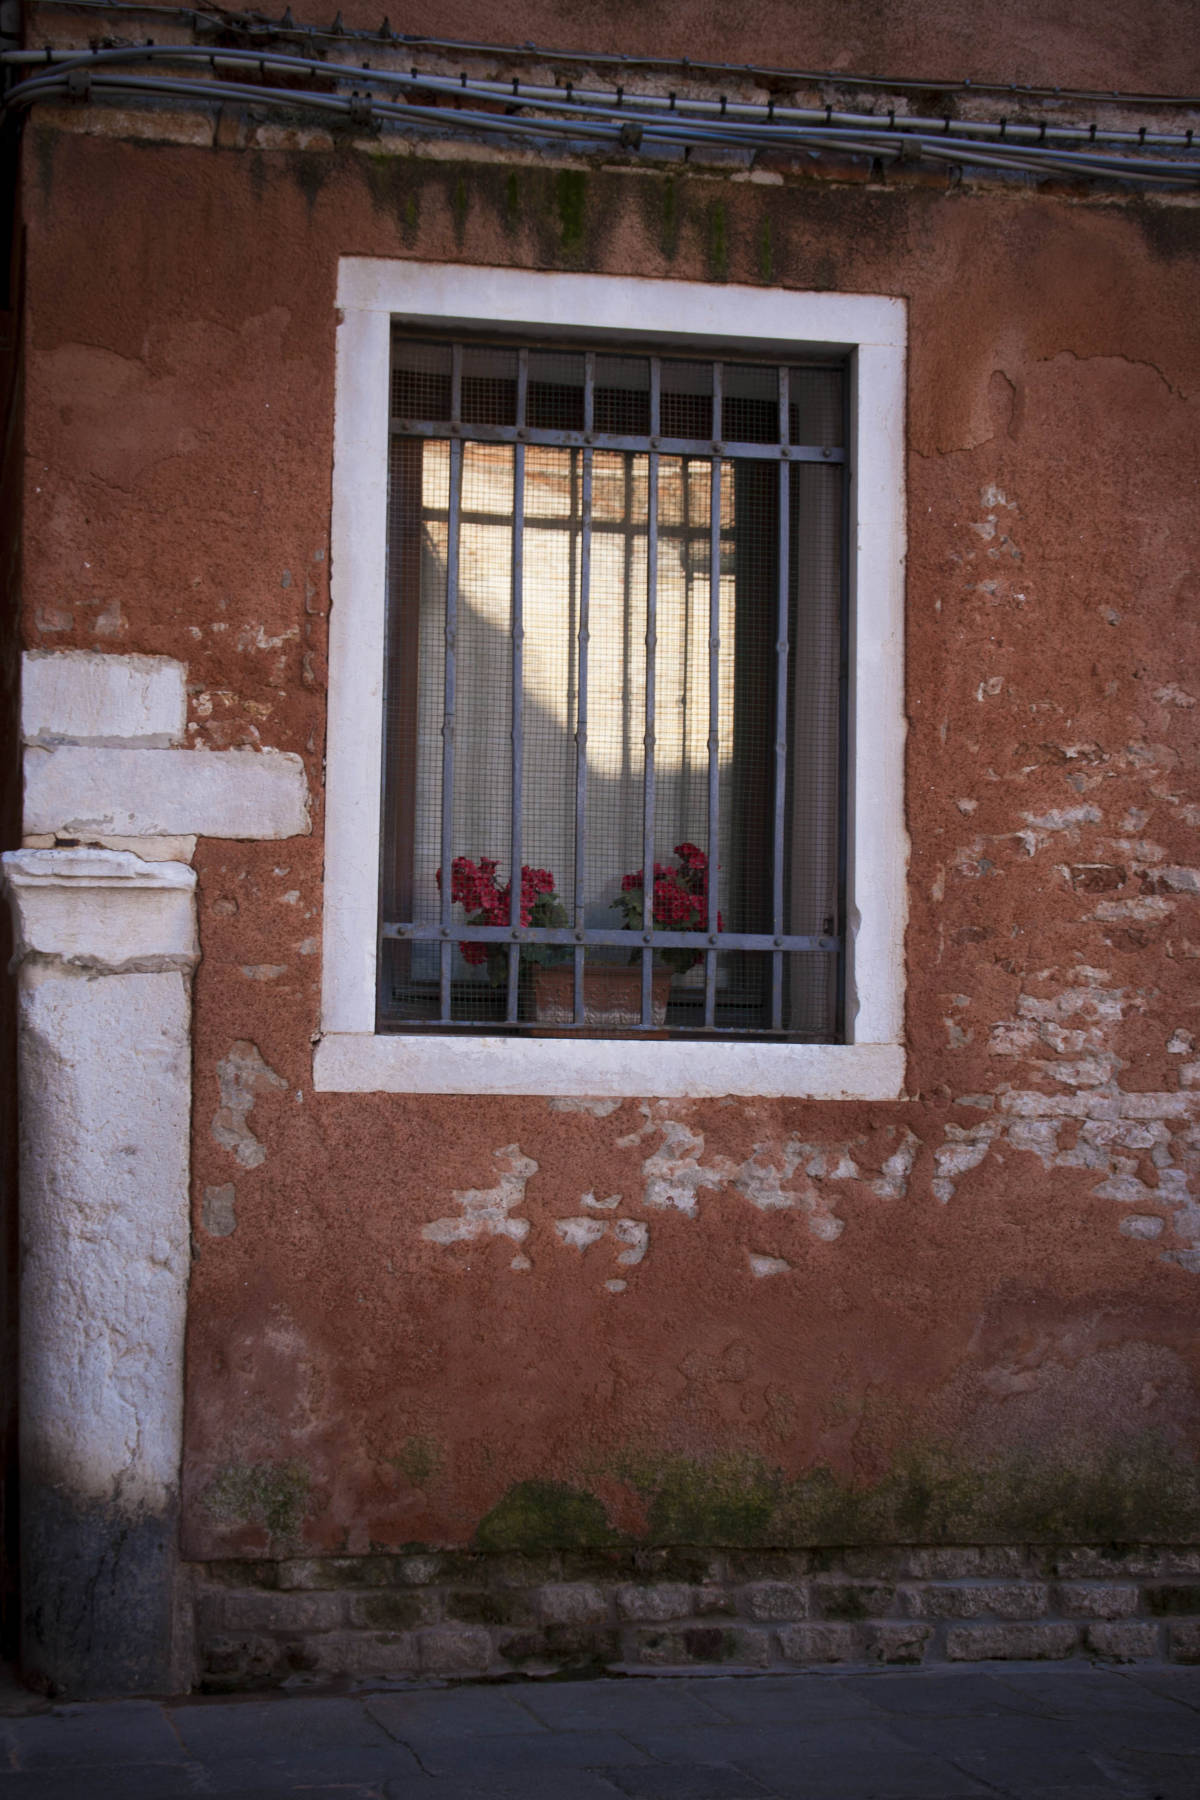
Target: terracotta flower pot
<point>612,996</point>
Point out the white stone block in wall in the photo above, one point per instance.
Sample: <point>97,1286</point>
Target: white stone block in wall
<point>105,1098</point>
<point>79,791</point>
<point>103,909</point>
<point>105,948</point>
<point>88,697</point>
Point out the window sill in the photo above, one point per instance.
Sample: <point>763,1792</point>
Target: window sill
<point>354,1062</point>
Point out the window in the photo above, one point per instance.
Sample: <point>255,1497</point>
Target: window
<point>607,599</point>
<point>615,629</point>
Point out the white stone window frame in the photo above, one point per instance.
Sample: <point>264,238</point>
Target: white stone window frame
<point>871,330</point>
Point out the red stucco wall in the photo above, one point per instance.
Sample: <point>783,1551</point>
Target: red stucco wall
<point>967,1312</point>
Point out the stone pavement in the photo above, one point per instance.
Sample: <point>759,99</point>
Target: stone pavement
<point>1018,1730</point>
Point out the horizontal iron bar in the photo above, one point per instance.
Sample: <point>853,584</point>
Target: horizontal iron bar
<point>577,440</point>
<point>621,939</point>
<point>499,1028</point>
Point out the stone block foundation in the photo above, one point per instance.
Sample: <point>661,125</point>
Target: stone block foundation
<point>466,1614</point>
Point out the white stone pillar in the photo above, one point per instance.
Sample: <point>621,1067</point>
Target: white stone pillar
<point>105,947</point>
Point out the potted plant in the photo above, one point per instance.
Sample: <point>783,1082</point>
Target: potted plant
<point>474,887</point>
<point>679,902</point>
<point>613,994</point>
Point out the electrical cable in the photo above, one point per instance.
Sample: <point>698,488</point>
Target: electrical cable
<point>257,23</point>
<point>587,119</point>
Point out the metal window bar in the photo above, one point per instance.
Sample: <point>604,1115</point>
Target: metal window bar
<point>714,700</point>
<point>516,883</point>
<point>578,1009</point>
<point>666,446</point>
<point>651,677</point>
<point>783,590</point>
<point>448,709</point>
<point>708,944</point>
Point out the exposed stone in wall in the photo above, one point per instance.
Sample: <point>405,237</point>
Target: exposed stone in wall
<point>455,1614</point>
<point>242,1076</point>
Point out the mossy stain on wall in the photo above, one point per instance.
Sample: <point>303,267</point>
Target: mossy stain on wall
<point>766,252</point>
<point>570,199</point>
<point>459,207</point>
<point>718,241</point>
<point>544,1515</point>
<point>1144,1490</point>
<point>271,1495</point>
<point>512,200</point>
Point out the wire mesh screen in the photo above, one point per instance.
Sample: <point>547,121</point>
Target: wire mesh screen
<point>616,627</point>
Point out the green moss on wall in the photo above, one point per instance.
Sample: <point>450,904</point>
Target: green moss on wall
<point>418,1460</point>
<point>1144,1490</point>
<point>545,1515</point>
<point>766,253</point>
<point>512,201</point>
<point>718,241</point>
<point>271,1495</point>
<point>668,219</point>
<point>570,202</point>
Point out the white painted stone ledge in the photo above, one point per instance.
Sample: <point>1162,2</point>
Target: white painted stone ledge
<point>81,791</point>
<point>352,1062</point>
<point>104,910</point>
<point>97,698</point>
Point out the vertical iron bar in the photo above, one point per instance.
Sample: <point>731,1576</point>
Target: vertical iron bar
<point>842,923</point>
<point>448,692</point>
<point>581,704</point>
<point>518,689</point>
<point>648,739</point>
<point>783,583</point>
<point>714,700</point>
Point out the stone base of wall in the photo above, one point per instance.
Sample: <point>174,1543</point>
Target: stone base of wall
<point>588,1611</point>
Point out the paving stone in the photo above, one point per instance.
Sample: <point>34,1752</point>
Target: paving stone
<point>695,1782</point>
<point>454,1712</point>
<point>492,1759</point>
<point>122,1732</point>
<point>782,1700</point>
<point>734,1743</point>
<point>999,1735</point>
<point>584,1784</point>
<point>620,1706</point>
<point>275,1727</point>
<point>940,1693</point>
<point>1018,1768</point>
<point>1155,1775</point>
<point>1180,1685</point>
<point>138,1781</point>
<point>306,1768</point>
<point>854,1774</point>
<point>1087,1693</point>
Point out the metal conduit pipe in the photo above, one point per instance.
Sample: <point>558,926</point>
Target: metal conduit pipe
<point>250,22</point>
<point>632,106</point>
<point>585,127</point>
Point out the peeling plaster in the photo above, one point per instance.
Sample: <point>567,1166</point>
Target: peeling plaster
<point>242,1077</point>
<point>485,1211</point>
<point>762,1266</point>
